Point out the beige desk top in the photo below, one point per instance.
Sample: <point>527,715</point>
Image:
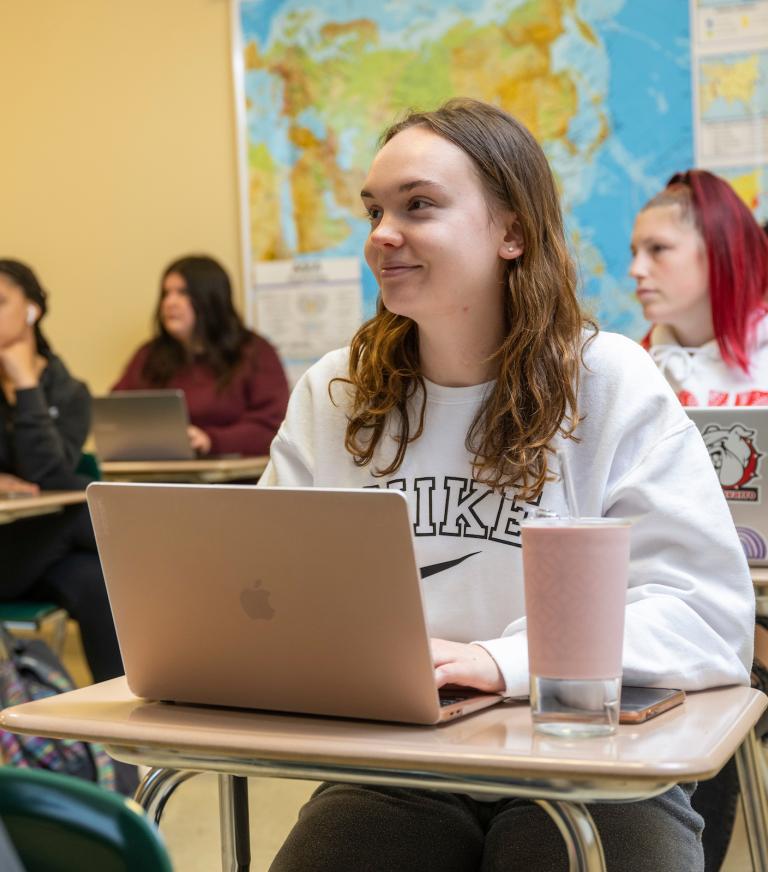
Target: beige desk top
<point>24,506</point>
<point>220,469</point>
<point>690,742</point>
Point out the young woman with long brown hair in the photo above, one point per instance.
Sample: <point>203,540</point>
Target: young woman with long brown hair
<point>476,369</point>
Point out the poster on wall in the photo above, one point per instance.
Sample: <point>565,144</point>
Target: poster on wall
<point>317,83</point>
<point>307,307</point>
<point>730,68</point>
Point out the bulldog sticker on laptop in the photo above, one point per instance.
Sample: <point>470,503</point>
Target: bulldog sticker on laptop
<point>736,460</point>
<point>737,440</point>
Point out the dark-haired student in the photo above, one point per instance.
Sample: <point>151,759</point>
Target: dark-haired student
<point>235,387</point>
<point>44,420</point>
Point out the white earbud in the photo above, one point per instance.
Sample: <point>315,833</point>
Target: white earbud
<point>31,314</point>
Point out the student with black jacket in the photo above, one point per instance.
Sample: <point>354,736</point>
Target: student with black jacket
<point>44,420</point>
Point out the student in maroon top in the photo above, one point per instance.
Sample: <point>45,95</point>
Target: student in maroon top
<point>233,381</point>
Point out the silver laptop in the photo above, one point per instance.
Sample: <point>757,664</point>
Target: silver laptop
<point>141,425</point>
<point>737,440</point>
<point>298,600</point>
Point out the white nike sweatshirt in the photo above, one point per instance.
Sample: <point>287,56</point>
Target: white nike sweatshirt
<point>700,377</point>
<point>690,605</point>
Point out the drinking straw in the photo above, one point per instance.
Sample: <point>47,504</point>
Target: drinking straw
<point>570,493</point>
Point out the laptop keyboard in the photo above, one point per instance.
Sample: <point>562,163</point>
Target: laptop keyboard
<point>452,700</point>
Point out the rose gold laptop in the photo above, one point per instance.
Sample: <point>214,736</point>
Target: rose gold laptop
<point>297,600</point>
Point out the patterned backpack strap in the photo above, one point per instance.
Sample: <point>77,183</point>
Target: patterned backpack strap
<point>17,750</point>
<point>23,678</point>
<point>12,690</point>
<point>52,680</point>
<point>11,752</point>
<point>105,767</point>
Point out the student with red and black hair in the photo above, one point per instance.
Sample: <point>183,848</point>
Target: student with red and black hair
<point>700,260</point>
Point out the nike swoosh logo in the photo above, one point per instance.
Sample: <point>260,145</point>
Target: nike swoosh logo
<point>434,568</point>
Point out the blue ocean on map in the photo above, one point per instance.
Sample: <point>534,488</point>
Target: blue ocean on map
<point>629,63</point>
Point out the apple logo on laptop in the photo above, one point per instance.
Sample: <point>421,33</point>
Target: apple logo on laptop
<point>255,602</point>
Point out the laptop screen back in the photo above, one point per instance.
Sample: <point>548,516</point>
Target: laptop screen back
<point>141,425</point>
<point>303,600</point>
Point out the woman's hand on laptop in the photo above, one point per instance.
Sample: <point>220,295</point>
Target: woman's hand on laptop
<point>199,440</point>
<point>465,665</point>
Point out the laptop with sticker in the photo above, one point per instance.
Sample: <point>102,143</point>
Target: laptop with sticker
<point>737,440</point>
<point>301,600</point>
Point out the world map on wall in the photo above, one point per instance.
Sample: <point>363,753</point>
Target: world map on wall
<point>604,85</point>
<point>732,88</point>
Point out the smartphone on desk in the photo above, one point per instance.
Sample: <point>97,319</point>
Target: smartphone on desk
<point>640,704</point>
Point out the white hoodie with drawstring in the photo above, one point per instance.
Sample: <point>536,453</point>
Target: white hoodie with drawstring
<point>700,376</point>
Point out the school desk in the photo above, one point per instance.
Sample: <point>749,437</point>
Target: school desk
<point>27,506</point>
<point>204,471</point>
<point>492,752</point>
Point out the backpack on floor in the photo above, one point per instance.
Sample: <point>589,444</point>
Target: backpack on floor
<point>29,670</point>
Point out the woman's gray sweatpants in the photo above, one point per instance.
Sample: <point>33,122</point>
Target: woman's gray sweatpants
<point>352,828</point>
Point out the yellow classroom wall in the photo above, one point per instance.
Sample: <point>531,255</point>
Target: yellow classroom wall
<point>117,154</point>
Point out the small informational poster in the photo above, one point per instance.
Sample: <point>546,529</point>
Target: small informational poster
<point>730,87</point>
<point>306,307</point>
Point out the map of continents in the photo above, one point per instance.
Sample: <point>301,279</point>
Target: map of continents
<point>602,84</point>
<point>732,89</point>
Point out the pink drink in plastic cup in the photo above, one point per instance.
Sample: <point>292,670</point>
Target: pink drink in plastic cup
<point>576,573</point>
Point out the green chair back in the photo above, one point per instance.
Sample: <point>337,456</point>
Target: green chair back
<point>58,823</point>
<point>89,466</point>
<point>25,612</point>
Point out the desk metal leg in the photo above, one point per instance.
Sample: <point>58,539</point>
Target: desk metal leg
<point>156,788</point>
<point>235,828</point>
<point>585,852</point>
<point>753,800</point>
